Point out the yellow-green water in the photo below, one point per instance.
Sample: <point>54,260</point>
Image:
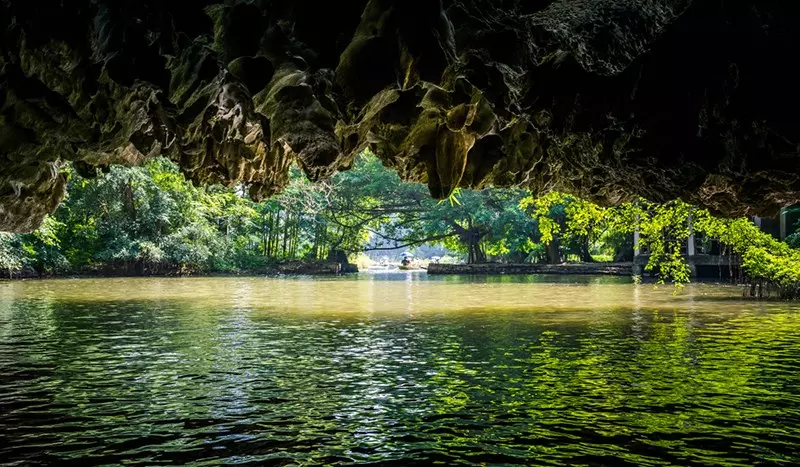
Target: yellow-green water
<point>395,369</point>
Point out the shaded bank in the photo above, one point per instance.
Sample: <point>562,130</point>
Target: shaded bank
<point>305,268</point>
<point>607,269</point>
<point>702,268</point>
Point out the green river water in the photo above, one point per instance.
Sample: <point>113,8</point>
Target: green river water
<point>395,369</point>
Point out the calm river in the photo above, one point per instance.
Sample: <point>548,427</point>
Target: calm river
<point>395,369</point>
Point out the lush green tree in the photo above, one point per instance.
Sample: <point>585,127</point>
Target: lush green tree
<point>371,199</point>
<point>12,256</point>
<point>141,219</point>
<point>572,226</point>
<point>793,240</point>
<point>38,251</point>
<point>767,263</point>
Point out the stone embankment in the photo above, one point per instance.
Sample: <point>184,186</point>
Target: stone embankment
<point>313,268</point>
<point>610,269</point>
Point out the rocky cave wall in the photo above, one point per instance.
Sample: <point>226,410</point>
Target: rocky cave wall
<point>608,99</point>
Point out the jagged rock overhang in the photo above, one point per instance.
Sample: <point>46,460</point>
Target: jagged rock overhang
<point>609,99</point>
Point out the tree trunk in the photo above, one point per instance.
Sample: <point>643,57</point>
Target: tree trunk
<point>624,252</point>
<point>268,236</point>
<point>586,256</point>
<point>285,234</point>
<point>553,252</point>
<point>130,206</point>
<point>264,234</point>
<point>475,253</point>
<point>274,239</point>
<point>295,231</point>
<point>315,247</point>
<point>480,255</point>
<point>292,236</point>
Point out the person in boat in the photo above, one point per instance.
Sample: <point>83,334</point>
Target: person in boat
<point>407,258</point>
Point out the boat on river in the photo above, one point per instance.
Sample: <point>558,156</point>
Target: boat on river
<point>408,263</point>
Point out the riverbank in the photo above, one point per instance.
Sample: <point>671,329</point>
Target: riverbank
<point>327,268</point>
<point>606,269</point>
<point>299,268</point>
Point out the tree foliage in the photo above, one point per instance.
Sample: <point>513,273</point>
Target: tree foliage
<point>579,225</point>
<point>664,229</point>
<point>150,219</point>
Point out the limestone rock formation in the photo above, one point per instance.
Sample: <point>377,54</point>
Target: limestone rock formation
<point>608,99</point>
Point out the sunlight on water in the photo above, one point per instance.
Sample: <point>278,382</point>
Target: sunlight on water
<point>396,368</point>
<point>388,293</point>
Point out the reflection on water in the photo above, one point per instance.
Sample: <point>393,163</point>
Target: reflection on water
<point>395,369</point>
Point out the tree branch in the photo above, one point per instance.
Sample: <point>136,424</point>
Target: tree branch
<point>405,245</point>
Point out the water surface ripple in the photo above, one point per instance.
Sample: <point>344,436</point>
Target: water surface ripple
<point>395,370</point>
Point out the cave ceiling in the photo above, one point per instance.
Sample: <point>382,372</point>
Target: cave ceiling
<point>606,99</point>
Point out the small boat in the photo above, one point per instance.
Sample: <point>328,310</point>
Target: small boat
<point>407,263</point>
